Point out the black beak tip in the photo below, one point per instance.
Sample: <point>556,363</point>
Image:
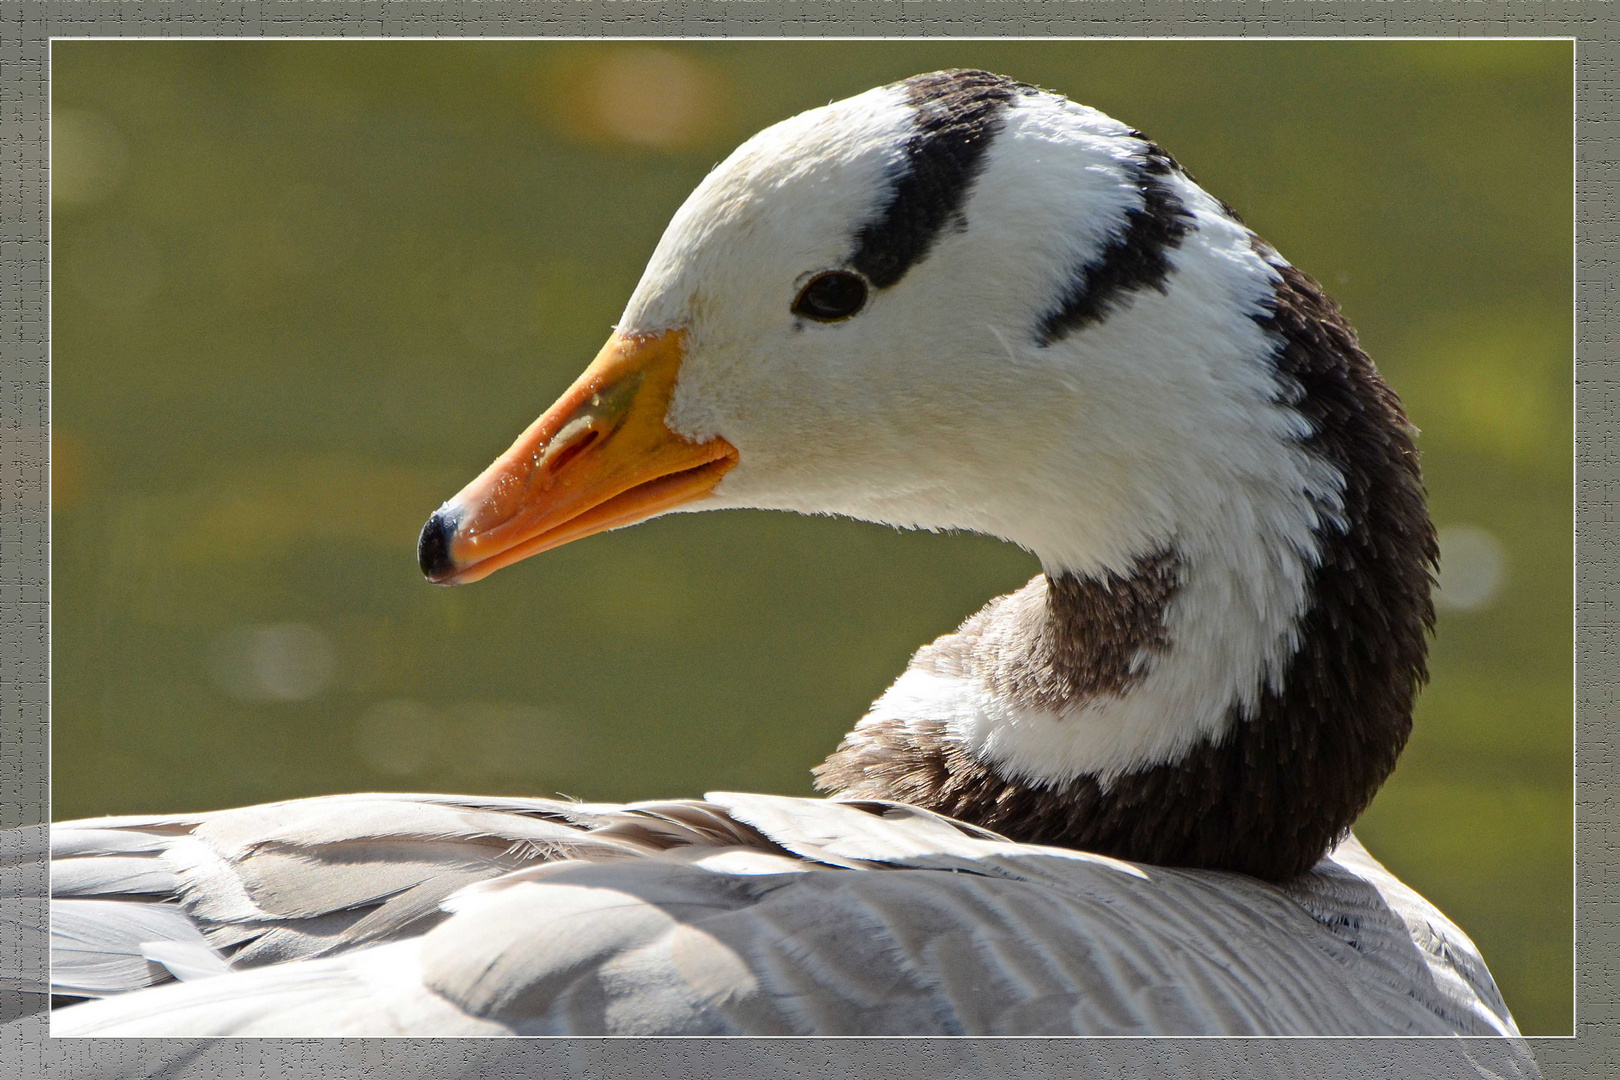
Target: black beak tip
<point>433,547</point>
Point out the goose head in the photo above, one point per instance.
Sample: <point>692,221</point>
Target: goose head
<point>960,302</point>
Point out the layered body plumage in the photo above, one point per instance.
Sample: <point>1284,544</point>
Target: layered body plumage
<point>737,914</point>
<point>955,302</point>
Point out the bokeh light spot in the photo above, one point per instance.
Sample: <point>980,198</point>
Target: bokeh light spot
<point>642,96</point>
<point>88,157</point>
<point>1496,383</point>
<point>1473,569</point>
<point>280,662</point>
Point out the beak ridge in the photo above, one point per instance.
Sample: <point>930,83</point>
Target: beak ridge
<point>601,458</point>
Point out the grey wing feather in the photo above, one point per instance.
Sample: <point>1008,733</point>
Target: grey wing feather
<point>757,914</point>
<point>96,945</point>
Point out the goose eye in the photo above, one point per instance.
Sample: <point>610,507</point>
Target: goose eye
<point>834,295</point>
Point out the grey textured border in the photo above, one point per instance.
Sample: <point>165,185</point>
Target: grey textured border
<point>25,29</point>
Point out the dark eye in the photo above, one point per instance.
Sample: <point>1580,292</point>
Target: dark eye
<point>834,295</point>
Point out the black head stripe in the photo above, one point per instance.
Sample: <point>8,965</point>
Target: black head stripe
<point>1137,258</point>
<point>958,116</point>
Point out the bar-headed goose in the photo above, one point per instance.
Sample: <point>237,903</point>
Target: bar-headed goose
<point>1117,800</point>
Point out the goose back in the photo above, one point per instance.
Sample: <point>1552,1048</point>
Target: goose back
<point>433,914</point>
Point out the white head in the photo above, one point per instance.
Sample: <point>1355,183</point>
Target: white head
<point>958,302</point>
<point>937,404</point>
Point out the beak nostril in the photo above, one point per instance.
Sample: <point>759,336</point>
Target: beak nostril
<point>561,458</point>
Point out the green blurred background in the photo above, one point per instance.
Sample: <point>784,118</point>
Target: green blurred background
<point>303,291</point>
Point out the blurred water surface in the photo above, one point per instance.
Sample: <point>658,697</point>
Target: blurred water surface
<point>303,291</point>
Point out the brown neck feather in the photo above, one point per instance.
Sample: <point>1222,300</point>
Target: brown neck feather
<point>1272,792</point>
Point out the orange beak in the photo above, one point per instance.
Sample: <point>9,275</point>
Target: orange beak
<point>600,458</point>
